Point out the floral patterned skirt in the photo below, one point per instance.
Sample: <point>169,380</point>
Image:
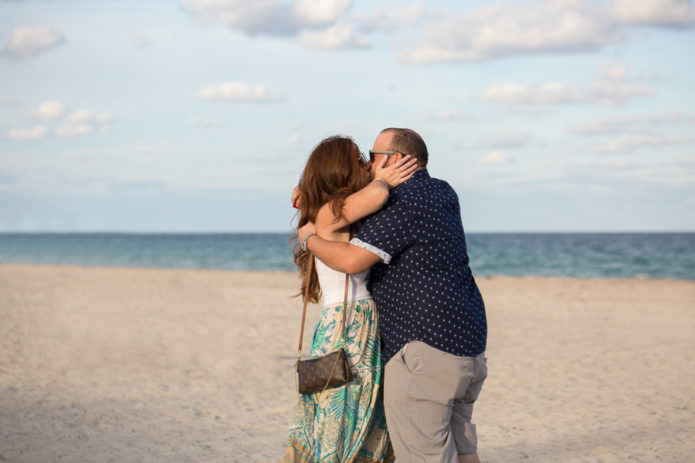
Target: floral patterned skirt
<point>344,424</point>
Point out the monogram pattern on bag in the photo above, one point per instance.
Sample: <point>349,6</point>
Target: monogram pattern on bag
<point>315,375</point>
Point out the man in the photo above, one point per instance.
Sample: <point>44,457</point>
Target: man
<point>431,315</point>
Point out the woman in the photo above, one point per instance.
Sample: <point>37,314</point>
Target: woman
<point>346,423</point>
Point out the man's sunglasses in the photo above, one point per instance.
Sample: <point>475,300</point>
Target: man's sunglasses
<point>386,152</point>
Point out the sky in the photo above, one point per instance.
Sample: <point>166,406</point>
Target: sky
<point>198,115</point>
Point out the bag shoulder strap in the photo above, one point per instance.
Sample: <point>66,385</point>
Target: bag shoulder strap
<point>307,277</point>
<point>343,327</point>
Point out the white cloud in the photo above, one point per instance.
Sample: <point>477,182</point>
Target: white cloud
<point>493,31</point>
<point>387,19</point>
<point>28,133</point>
<point>322,24</point>
<point>616,93</point>
<point>74,124</point>
<point>83,122</point>
<point>50,110</point>
<point>270,17</point>
<point>550,93</point>
<point>334,37</point>
<point>204,121</point>
<point>253,18</point>
<point>641,141</point>
<point>541,27</point>
<point>85,116</point>
<point>75,130</point>
<point>504,140</point>
<point>30,41</point>
<point>446,116</point>
<point>612,70</point>
<point>612,89</point>
<point>236,92</point>
<point>606,93</point>
<point>631,124</point>
<point>320,12</point>
<point>673,13</point>
<point>495,157</point>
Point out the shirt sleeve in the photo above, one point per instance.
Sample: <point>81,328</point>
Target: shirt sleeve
<point>388,231</point>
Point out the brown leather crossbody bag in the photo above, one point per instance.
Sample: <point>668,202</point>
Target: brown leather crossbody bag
<point>330,370</point>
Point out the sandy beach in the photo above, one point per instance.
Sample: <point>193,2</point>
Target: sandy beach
<point>135,365</point>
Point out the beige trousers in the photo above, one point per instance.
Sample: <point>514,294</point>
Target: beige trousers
<point>429,396</point>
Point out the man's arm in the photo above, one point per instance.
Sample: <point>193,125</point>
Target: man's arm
<point>344,257</point>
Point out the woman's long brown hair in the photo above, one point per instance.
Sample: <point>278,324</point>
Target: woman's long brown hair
<point>332,173</point>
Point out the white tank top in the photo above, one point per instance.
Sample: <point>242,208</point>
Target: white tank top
<point>332,285</point>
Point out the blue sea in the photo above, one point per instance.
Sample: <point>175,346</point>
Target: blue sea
<point>587,255</point>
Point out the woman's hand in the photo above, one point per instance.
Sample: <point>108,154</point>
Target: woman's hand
<point>396,173</point>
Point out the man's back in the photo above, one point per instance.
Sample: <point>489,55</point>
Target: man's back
<point>425,290</point>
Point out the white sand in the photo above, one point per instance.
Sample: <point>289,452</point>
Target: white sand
<point>129,365</point>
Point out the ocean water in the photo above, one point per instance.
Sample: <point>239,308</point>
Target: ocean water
<point>587,255</point>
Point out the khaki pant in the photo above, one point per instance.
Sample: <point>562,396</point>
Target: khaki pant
<point>429,396</point>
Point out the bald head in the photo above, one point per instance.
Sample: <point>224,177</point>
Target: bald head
<point>406,141</point>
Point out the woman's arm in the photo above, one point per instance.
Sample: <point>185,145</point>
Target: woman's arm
<point>358,205</point>
<point>369,199</point>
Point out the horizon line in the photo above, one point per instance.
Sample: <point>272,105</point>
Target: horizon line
<point>276,232</point>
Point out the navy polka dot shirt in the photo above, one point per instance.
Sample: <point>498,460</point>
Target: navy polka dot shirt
<point>423,289</point>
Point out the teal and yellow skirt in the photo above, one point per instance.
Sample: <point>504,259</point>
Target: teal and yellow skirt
<point>344,424</point>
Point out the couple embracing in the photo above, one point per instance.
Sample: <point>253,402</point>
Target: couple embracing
<point>416,328</point>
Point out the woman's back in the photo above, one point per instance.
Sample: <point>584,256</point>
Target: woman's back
<point>332,284</point>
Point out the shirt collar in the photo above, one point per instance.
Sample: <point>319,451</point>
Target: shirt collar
<point>418,176</point>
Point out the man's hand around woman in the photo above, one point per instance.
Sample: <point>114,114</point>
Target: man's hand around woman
<point>396,173</point>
